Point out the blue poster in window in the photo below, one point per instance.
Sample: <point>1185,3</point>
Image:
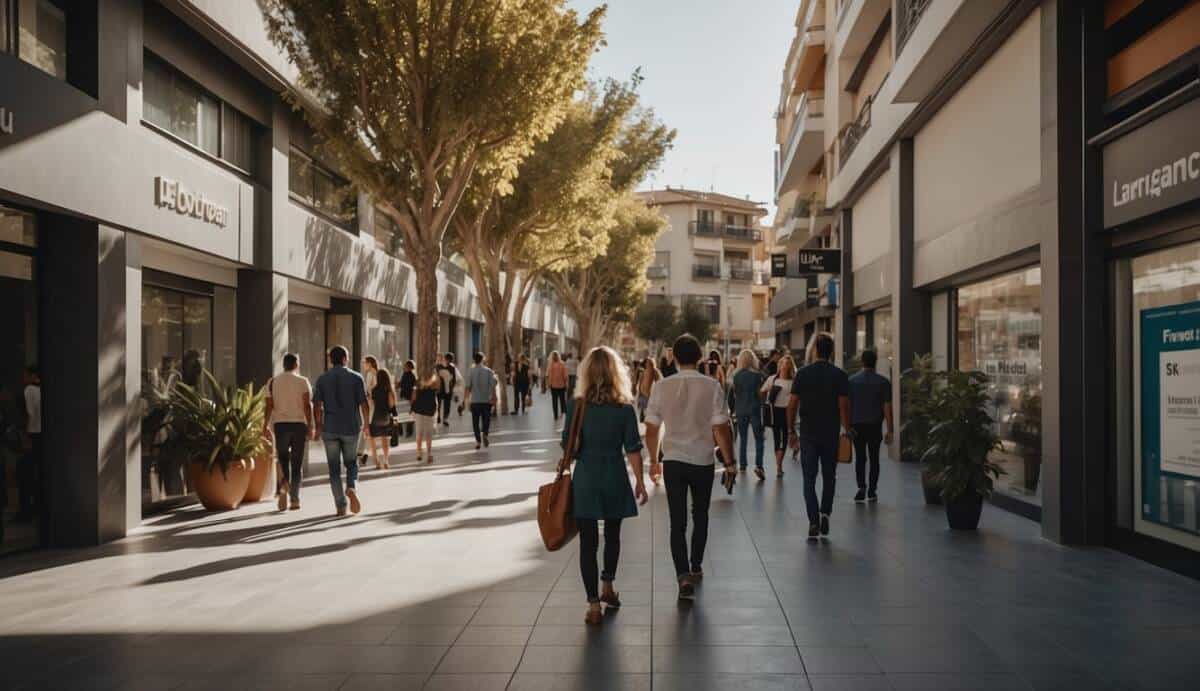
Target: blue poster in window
<point>1170,353</point>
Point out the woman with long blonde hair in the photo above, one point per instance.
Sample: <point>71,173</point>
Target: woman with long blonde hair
<point>777,389</point>
<point>747,409</point>
<point>608,437</point>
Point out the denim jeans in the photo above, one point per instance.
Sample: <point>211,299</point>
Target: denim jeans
<point>481,420</point>
<point>818,456</point>
<point>339,451</point>
<point>754,422</point>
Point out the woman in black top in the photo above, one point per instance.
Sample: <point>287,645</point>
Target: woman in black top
<point>425,407</point>
<point>383,403</point>
<point>408,383</point>
<point>521,383</point>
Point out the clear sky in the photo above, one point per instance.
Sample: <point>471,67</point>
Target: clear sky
<point>712,70</point>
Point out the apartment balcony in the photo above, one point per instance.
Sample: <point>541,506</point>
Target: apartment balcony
<point>706,272</point>
<point>932,37</point>
<point>728,231</point>
<point>853,132</point>
<point>658,273</point>
<point>804,143</point>
<point>857,21</point>
<point>742,273</point>
<point>806,214</point>
<point>454,273</point>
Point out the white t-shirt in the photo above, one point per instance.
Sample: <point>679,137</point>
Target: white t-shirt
<point>785,392</point>
<point>687,405</point>
<point>572,367</point>
<point>286,392</point>
<point>33,409</point>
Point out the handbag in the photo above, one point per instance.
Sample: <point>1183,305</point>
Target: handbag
<point>768,406</point>
<point>845,451</point>
<point>556,513</point>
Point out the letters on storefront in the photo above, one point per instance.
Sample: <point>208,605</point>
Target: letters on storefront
<point>6,121</point>
<point>169,194</point>
<point>1153,168</point>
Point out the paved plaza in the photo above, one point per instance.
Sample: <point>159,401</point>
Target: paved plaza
<point>442,583</point>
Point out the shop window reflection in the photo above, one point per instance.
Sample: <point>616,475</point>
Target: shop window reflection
<point>999,333</point>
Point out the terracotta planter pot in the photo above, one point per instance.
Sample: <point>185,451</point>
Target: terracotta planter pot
<point>219,491</point>
<point>260,477</point>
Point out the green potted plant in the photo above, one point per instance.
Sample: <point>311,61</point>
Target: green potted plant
<point>918,386</point>
<point>961,438</point>
<point>218,438</point>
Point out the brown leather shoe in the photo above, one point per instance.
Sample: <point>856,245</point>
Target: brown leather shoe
<point>613,600</point>
<point>355,504</point>
<point>282,496</point>
<point>594,616</point>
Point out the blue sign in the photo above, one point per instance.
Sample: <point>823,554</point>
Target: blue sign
<point>1170,374</point>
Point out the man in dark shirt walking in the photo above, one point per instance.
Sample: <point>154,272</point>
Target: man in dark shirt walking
<point>820,394</point>
<point>870,408</point>
<point>340,408</point>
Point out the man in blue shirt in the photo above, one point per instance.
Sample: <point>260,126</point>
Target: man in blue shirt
<point>870,407</point>
<point>340,408</point>
<point>481,394</point>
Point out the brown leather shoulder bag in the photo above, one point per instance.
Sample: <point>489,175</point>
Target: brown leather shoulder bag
<point>556,512</point>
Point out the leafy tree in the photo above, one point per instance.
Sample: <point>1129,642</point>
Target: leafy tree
<point>608,291</point>
<point>654,321</point>
<point>692,320</point>
<point>414,98</point>
<point>553,215</point>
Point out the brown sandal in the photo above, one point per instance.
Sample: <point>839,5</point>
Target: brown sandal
<point>613,601</point>
<point>594,616</point>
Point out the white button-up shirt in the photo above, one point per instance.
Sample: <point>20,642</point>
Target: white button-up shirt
<point>687,405</point>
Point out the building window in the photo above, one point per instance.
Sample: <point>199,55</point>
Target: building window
<point>306,337</point>
<point>387,235</point>
<point>999,332</point>
<point>708,305</point>
<point>181,107</point>
<point>36,30</point>
<point>320,189</point>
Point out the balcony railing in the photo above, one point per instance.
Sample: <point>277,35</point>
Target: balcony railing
<point>706,271</point>
<point>854,131</point>
<point>806,207</point>
<point>658,272</point>
<point>741,272</point>
<point>713,229</point>
<point>812,104</point>
<point>908,15</point>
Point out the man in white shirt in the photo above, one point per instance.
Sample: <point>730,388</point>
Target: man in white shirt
<point>289,417</point>
<point>692,408</point>
<point>29,472</point>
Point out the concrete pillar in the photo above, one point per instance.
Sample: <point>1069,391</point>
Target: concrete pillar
<point>910,307</point>
<point>87,389</point>
<point>262,325</point>
<point>846,307</point>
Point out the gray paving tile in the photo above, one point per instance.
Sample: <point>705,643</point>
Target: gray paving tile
<point>851,683</point>
<point>494,635</point>
<point>467,682</point>
<point>384,682</point>
<point>495,659</point>
<point>731,682</point>
<point>423,635</point>
<point>958,682</point>
<point>544,635</point>
<point>585,660</point>
<point>579,682</point>
<point>705,660</point>
<point>826,661</point>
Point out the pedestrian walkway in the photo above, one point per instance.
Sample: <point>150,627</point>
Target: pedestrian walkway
<point>441,583</point>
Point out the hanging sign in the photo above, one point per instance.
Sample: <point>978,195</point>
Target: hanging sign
<point>1170,401</point>
<point>806,261</point>
<point>1154,167</point>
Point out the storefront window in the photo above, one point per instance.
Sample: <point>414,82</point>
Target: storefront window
<point>860,333</point>
<point>1166,316</point>
<point>306,338</point>
<point>20,486</point>
<point>882,332</point>
<point>387,337</point>
<point>42,37</point>
<point>1000,334</point>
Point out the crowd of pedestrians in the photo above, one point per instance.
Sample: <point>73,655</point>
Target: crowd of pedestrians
<point>693,407</point>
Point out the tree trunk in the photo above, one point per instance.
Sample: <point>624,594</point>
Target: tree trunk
<point>516,329</point>
<point>425,357</point>
<point>495,355</point>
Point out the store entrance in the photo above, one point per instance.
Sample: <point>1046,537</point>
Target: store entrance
<point>22,478</point>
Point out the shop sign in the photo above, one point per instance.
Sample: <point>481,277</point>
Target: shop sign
<point>1170,378</point>
<point>1155,167</point>
<point>808,261</point>
<point>812,291</point>
<point>6,121</point>
<point>169,194</point>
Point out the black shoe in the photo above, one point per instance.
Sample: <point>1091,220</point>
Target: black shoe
<point>824,525</point>
<point>476,446</point>
<point>860,496</point>
<point>687,591</point>
<point>485,441</point>
<point>814,531</point>
<point>871,496</point>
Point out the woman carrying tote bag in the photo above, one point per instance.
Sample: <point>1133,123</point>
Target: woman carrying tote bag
<point>608,437</point>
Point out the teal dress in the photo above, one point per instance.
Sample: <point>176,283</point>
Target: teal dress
<point>600,480</point>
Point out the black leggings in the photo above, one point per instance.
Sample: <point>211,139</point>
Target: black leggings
<point>779,430</point>
<point>519,393</point>
<point>559,398</point>
<point>589,544</point>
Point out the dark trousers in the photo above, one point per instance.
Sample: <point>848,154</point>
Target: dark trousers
<point>747,423</point>
<point>291,443</point>
<point>867,438</point>
<point>779,430</point>
<point>444,406</point>
<point>558,397</point>
<point>681,478</point>
<point>481,420</point>
<point>571,380</point>
<point>30,497</point>
<point>589,544</point>
<point>519,393</point>
<point>818,456</point>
